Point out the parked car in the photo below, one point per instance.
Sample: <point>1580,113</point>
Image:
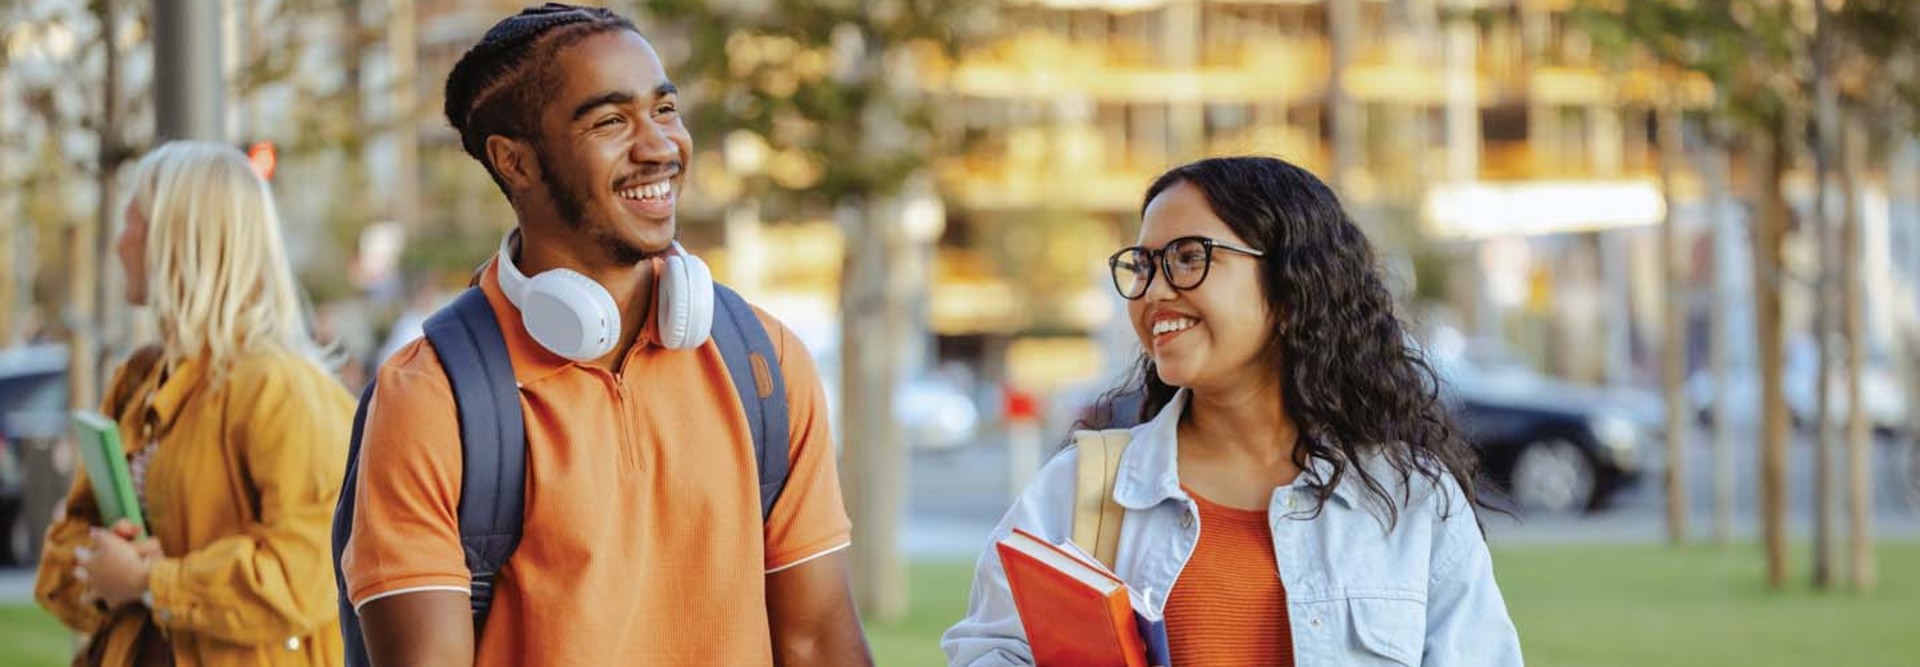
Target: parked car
<point>1555,447</point>
<point>33,400</point>
<point>935,413</point>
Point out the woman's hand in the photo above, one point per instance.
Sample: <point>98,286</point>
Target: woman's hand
<point>115,567</point>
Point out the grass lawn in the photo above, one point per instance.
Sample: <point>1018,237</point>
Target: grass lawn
<point>1576,606</point>
<point>1608,606</point>
<point>1651,606</point>
<point>30,637</point>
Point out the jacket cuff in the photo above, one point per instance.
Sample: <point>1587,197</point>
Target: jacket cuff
<point>163,593</point>
<point>79,616</point>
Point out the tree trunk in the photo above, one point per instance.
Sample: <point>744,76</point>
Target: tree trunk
<point>1673,364</point>
<point>1605,135</point>
<point>112,314</point>
<point>8,268</point>
<point>869,350</point>
<point>353,65</point>
<point>1827,121</point>
<point>1769,247</point>
<point>402,54</point>
<point>84,237</point>
<point>1825,490</point>
<point>1716,168</point>
<point>10,220</point>
<point>1859,435</point>
<point>1904,172</point>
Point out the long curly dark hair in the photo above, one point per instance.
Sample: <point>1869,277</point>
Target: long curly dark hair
<point>1351,379</point>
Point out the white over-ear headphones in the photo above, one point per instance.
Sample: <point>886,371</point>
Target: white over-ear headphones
<point>574,317</point>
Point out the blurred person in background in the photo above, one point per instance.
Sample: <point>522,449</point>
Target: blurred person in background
<point>1296,492</point>
<point>408,326</point>
<point>235,432</point>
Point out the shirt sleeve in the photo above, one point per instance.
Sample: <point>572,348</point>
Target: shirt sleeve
<point>1467,620</point>
<point>809,519</point>
<point>406,527</point>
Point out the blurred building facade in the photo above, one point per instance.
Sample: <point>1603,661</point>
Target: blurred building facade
<point>1483,144</point>
<point>1506,168</point>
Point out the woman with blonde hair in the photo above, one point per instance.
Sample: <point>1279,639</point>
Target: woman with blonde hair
<point>235,432</point>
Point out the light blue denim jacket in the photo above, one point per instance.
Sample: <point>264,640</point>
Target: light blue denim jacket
<point>1421,594</point>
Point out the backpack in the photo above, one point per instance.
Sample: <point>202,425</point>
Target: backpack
<point>1096,516</point>
<point>493,440</point>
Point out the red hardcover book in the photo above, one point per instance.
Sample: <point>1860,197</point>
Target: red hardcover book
<point>1075,613</point>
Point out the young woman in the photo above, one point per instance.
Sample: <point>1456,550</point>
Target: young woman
<point>1296,495</point>
<point>235,433</point>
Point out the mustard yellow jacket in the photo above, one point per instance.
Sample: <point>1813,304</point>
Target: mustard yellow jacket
<point>240,494</point>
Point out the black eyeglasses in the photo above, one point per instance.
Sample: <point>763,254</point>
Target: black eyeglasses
<point>1186,261</point>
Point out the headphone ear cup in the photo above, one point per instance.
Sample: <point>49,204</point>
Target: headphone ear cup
<point>684,316</point>
<point>570,315</point>
<point>670,315</point>
<point>512,282</point>
<point>699,301</point>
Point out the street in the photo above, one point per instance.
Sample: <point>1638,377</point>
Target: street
<point>958,495</point>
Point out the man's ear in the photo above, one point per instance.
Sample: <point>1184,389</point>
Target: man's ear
<point>514,160</point>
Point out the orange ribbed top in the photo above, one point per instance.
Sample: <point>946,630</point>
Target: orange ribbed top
<point>1228,607</point>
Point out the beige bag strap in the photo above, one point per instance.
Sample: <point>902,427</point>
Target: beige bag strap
<point>1096,517</point>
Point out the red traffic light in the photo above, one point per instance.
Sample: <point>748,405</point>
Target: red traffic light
<point>263,157</point>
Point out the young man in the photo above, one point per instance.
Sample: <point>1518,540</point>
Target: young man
<point>643,539</point>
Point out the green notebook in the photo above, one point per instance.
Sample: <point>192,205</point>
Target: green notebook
<point>106,462</point>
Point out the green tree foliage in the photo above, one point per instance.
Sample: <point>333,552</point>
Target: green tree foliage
<point>829,86</point>
<point>53,54</point>
<point>1759,53</point>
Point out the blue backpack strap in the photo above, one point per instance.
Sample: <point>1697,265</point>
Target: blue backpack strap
<point>493,442</point>
<point>493,439</point>
<point>749,354</point>
<point>356,645</point>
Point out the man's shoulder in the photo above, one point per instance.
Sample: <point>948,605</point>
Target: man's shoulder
<point>785,344</point>
<point>776,329</point>
<point>412,403</point>
<point>412,376</point>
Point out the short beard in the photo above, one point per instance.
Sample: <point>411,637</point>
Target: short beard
<point>621,252</point>
<point>570,201</point>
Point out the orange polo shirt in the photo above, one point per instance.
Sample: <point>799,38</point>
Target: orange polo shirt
<point>643,541</point>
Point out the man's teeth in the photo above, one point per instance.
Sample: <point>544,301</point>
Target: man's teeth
<point>1176,324</point>
<point>650,191</point>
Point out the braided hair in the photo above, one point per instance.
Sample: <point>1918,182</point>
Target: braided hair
<point>493,88</point>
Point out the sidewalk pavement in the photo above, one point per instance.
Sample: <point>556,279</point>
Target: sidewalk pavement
<point>16,585</point>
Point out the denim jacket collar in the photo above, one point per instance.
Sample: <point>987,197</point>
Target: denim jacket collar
<point>1150,471</point>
